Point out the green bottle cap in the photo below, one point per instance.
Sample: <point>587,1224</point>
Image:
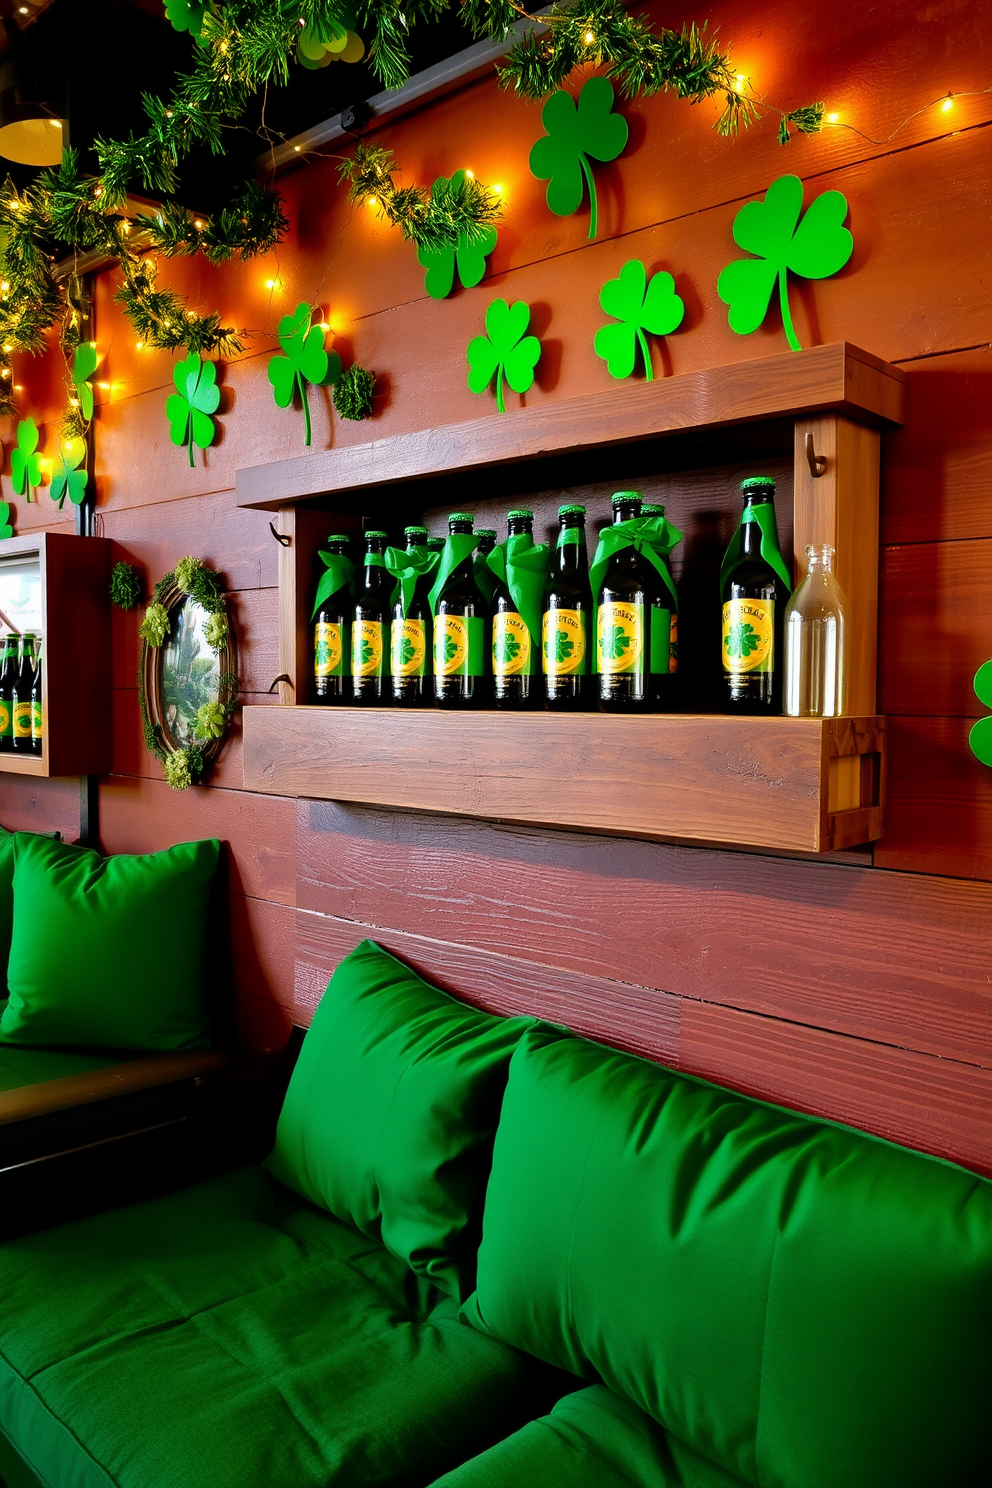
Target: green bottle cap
<point>339,537</point>
<point>414,531</point>
<point>435,544</point>
<point>461,517</point>
<point>620,497</point>
<point>485,531</point>
<point>571,511</point>
<point>519,514</point>
<point>374,533</point>
<point>652,509</point>
<point>757,483</point>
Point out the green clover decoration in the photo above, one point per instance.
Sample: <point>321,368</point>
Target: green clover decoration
<point>639,305</point>
<point>67,477</point>
<point>186,15</point>
<point>572,135</point>
<point>84,364</point>
<point>505,351</point>
<point>335,41</point>
<point>188,409</point>
<point>25,462</point>
<point>980,737</point>
<point>6,526</point>
<point>469,256</point>
<point>304,361</point>
<point>814,248</point>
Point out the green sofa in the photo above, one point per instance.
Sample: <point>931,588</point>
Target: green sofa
<point>485,1253</point>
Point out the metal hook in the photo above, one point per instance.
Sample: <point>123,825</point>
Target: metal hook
<point>283,541</point>
<point>817,463</point>
<point>282,677</point>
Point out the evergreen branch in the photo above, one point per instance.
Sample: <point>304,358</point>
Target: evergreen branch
<point>432,219</point>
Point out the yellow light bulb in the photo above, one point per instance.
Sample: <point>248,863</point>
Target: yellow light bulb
<point>497,190</point>
<point>947,105</point>
<point>271,283</point>
<point>140,345</point>
<point>832,118</point>
<point>4,286</point>
<point>740,82</point>
<point>8,348</point>
<point>297,148</point>
<point>371,201</point>
<point>470,175</point>
<point>589,38</point>
<point>199,224</point>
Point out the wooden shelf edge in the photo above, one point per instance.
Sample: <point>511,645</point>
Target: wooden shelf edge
<point>28,764</point>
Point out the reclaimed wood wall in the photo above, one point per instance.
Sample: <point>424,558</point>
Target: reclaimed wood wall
<point>859,988</point>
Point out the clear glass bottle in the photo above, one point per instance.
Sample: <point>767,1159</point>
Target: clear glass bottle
<point>815,654</point>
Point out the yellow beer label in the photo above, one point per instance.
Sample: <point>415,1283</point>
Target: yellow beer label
<point>37,721</point>
<point>408,648</point>
<point>366,648</point>
<point>22,720</point>
<point>450,645</point>
<point>563,641</point>
<point>327,649</point>
<point>673,644</point>
<point>620,637</point>
<point>748,635</point>
<point>6,721</point>
<point>511,645</point>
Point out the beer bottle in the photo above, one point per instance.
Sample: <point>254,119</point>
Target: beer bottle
<point>755,586</point>
<point>436,544</point>
<point>22,696</point>
<point>484,576</point>
<point>566,629</point>
<point>664,660</point>
<point>411,634</point>
<point>332,635</point>
<point>37,705</point>
<point>516,661</point>
<point>461,623</point>
<point>7,679</point>
<point>370,628</point>
<point>623,636</point>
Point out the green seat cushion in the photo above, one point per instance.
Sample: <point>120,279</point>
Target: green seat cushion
<point>804,1305</point>
<point>20,1067</point>
<point>389,1118</point>
<point>233,1336</point>
<point>108,952</point>
<point>591,1439</point>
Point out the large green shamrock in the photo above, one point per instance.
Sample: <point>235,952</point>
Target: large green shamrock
<point>573,134</point>
<point>25,463</point>
<point>6,526</point>
<point>67,478</point>
<point>980,738</point>
<point>188,409</point>
<point>470,256</point>
<point>84,364</point>
<point>305,361</point>
<point>505,351</point>
<point>814,248</point>
<point>335,41</point>
<point>186,15</point>
<point>639,306</point>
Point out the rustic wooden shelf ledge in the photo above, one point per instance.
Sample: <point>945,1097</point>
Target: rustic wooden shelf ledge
<point>792,784</point>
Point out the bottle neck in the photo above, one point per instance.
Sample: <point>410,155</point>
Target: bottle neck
<point>520,527</point>
<point>374,556</point>
<point>751,533</point>
<point>454,527</point>
<point>627,511</point>
<point>571,550</point>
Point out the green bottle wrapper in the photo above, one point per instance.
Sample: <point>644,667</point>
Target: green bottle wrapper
<point>653,537</point>
<point>522,565</point>
<point>408,568</point>
<point>339,574</point>
<point>457,547</point>
<point>764,515</point>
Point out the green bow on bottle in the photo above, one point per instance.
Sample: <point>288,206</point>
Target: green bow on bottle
<point>339,574</point>
<point>408,567</point>
<point>764,515</point>
<point>653,537</point>
<point>522,565</point>
<point>457,547</point>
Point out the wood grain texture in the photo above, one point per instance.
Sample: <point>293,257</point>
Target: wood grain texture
<point>939,802</point>
<point>157,533</point>
<point>263,943</point>
<point>896,958</point>
<point>50,805</point>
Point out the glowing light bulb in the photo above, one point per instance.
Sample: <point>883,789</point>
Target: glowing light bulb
<point>140,345</point>
<point>470,175</point>
<point>5,373</point>
<point>323,326</point>
<point>98,191</point>
<point>948,104</point>
<point>589,38</point>
<point>297,148</point>
<point>371,201</point>
<point>740,82</point>
<point>199,224</point>
<point>832,118</point>
<point>497,190</point>
<point>7,348</point>
<point>4,287</point>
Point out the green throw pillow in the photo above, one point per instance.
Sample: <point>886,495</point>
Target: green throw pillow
<point>108,952</point>
<point>390,1114</point>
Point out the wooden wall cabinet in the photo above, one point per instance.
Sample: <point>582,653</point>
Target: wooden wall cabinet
<point>74,576</point>
<point>774,783</point>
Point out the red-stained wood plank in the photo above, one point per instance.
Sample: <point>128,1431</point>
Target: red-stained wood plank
<point>261,1027</point>
<point>255,624</point>
<point>263,948</point>
<point>884,956</point>
<point>32,805</point>
<point>130,757</point>
<point>156,534</point>
<point>938,816</point>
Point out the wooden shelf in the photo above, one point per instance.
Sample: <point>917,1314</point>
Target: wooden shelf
<point>791,784</point>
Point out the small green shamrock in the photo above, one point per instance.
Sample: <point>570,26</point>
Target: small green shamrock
<point>639,305</point>
<point>505,351</point>
<point>470,256</point>
<point>6,527</point>
<point>67,478</point>
<point>186,15</point>
<point>572,134</point>
<point>25,463</point>
<point>155,626</point>
<point>741,640</point>
<point>564,646</point>
<point>615,642</point>
<point>305,361</point>
<point>211,721</point>
<point>407,651</point>
<point>814,248</point>
<point>450,649</point>
<point>84,364</point>
<point>509,649</point>
<point>188,409</point>
<point>336,41</point>
<point>980,737</point>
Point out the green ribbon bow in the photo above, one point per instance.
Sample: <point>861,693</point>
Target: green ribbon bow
<point>653,537</point>
<point>457,547</point>
<point>408,568</point>
<point>522,565</point>
<point>340,574</point>
<point>764,516</point>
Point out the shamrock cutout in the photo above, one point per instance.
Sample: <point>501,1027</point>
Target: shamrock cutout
<point>571,135</point>
<point>470,256</point>
<point>505,351</point>
<point>814,248</point>
<point>639,306</point>
<point>67,478</point>
<point>186,15</point>
<point>980,738</point>
<point>305,361</point>
<point>341,43</point>
<point>84,364</point>
<point>6,527</point>
<point>188,409</point>
<point>25,463</point>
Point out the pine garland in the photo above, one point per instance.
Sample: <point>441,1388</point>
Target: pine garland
<point>430,218</point>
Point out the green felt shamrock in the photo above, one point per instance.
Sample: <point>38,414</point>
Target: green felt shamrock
<point>84,364</point>
<point>814,248</point>
<point>305,360</point>
<point>25,463</point>
<point>6,526</point>
<point>639,305</point>
<point>505,351</point>
<point>67,478</point>
<point>573,134</point>
<point>980,738</point>
<point>186,15</point>
<point>336,41</point>
<point>470,256</point>
<point>188,409</point>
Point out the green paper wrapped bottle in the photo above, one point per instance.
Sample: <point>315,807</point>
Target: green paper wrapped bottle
<point>484,576</point>
<point>37,705</point>
<point>516,659</point>
<point>755,588</point>
<point>566,630</point>
<point>623,622</point>
<point>332,636</point>
<point>371,625</point>
<point>461,624</point>
<point>665,684</point>
<point>7,679</point>
<point>22,696</point>
<point>411,637</point>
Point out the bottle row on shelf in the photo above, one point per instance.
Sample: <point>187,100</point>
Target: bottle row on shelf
<point>22,717</point>
<point>466,622</point>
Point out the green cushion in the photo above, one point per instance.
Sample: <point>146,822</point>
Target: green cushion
<point>108,952</point>
<point>389,1118</point>
<point>232,1336</point>
<point>804,1305</point>
<point>20,1067</point>
<point>592,1439</point>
